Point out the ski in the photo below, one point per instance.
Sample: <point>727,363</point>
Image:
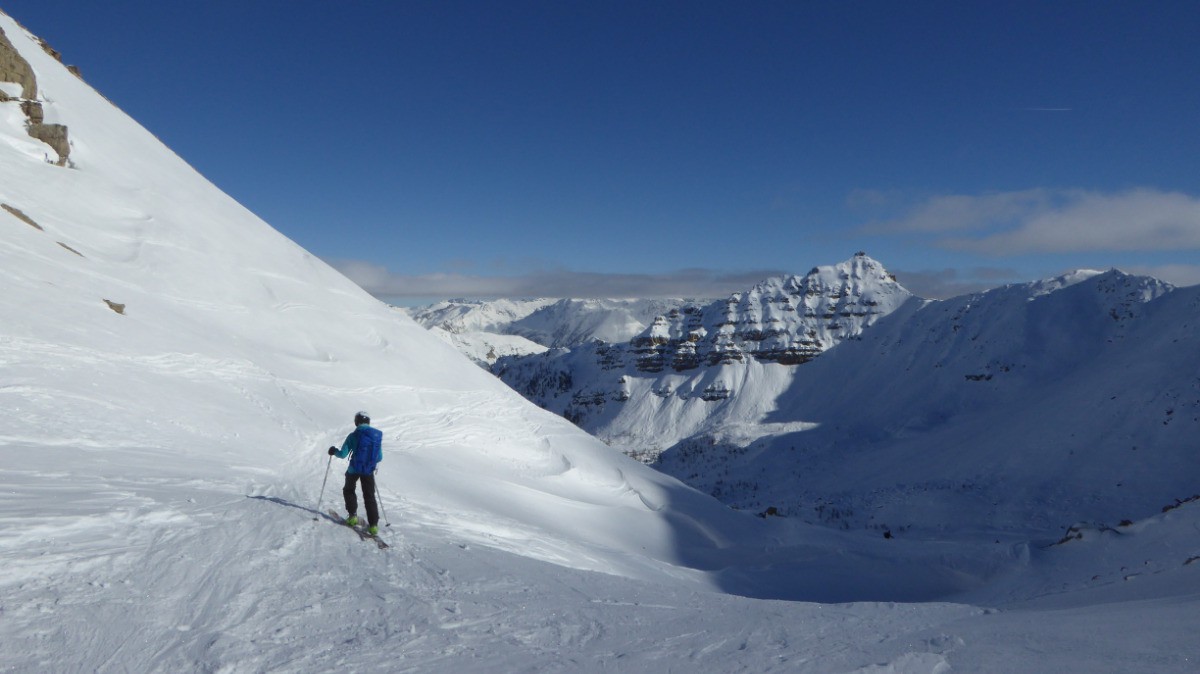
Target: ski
<point>362,533</point>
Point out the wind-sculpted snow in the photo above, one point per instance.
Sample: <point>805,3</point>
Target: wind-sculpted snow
<point>163,478</point>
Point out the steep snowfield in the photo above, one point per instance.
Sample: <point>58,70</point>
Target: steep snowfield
<point>171,369</point>
<point>236,355</point>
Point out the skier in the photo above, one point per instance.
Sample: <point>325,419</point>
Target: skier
<point>365,447</point>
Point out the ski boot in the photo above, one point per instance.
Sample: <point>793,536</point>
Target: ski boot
<point>352,521</point>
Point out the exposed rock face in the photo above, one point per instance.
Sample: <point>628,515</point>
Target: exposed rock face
<point>14,68</point>
<point>698,356</point>
<point>782,320</point>
<point>54,135</point>
<point>20,215</point>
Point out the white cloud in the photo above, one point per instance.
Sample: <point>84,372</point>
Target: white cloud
<point>1057,221</point>
<point>1175,274</point>
<point>961,212</point>
<point>687,283</point>
<point>945,283</point>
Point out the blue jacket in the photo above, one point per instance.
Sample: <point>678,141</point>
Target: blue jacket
<point>365,448</point>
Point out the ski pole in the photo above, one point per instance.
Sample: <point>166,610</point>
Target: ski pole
<point>322,496</point>
<point>379,500</point>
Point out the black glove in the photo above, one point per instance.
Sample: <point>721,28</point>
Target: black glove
<point>332,451</point>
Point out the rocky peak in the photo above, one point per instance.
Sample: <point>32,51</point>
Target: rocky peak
<point>787,320</point>
<point>696,357</point>
<point>1122,296</point>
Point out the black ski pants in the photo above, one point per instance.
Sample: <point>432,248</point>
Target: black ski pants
<point>368,487</point>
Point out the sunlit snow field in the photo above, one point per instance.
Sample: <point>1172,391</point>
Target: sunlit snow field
<point>161,469</point>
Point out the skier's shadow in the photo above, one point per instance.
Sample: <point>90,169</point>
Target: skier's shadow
<point>283,502</point>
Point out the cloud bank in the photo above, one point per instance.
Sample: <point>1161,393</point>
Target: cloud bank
<point>1024,222</point>
<point>1176,274</point>
<point>940,284</point>
<point>1055,221</point>
<point>685,283</point>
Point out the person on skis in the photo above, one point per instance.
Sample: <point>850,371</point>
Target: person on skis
<point>364,446</point>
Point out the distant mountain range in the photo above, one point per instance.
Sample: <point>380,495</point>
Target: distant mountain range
<point>641,374</point>
<point>840,397</point>
<point>488,330</point>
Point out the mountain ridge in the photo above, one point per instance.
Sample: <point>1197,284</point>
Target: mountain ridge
<point>722,395</point>
<point>677,362</point>
<point>990,401</point>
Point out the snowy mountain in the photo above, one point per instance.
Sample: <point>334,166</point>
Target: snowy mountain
<point>487,330</point>
<point>485,348</point>
<point>172,369</point>
<point>700,368</point>
<point>462,316</point>
<point>840,398</point>
<point>1021,408</point>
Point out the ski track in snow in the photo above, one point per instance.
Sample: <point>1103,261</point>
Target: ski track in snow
<point>306,596</point>
<point>166,574</point>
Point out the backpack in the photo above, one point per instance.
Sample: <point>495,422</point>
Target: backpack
<point>368,451</point>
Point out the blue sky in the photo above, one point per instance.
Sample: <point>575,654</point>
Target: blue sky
<point>449,149</point>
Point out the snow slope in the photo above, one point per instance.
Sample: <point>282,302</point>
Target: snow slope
<point>171,369</point>
<point>1022,409</point>
<point>488,330</point>
<point>235,351</point>
<point>485,348</point>
<point>551,323</point>
<point>840,398</point>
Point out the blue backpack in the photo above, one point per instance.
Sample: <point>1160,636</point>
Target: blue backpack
<point>368,451</point>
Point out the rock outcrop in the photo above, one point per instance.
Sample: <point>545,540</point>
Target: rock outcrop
<point>15,69</point>
<point>782,320</point>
